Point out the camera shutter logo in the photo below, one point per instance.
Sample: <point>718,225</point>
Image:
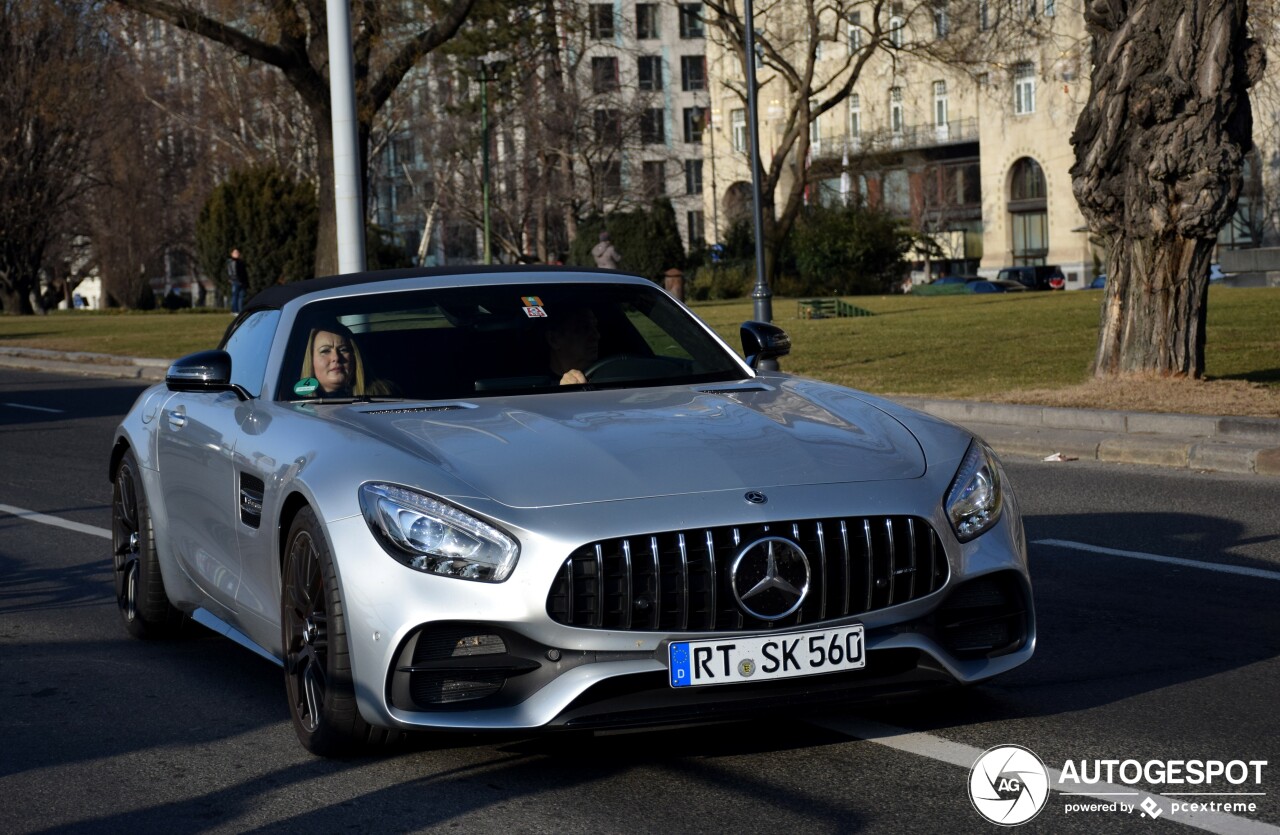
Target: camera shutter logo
<point>1008,785</point>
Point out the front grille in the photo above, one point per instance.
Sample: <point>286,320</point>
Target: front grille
<point>679,580</point>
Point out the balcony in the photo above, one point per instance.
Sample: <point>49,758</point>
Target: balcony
<point>911,137</point>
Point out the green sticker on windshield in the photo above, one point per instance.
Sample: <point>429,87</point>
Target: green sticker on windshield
<point>306,386</point>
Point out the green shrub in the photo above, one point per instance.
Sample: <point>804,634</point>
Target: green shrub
<point>840,251</point>
<point>647,239</point>
<point>271,218</point>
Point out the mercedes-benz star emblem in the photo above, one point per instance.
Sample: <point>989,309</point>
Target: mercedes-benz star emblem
<point>756,497</point>
<point>770,578</point>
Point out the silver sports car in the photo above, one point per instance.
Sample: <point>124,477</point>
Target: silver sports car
<point>541,498</point>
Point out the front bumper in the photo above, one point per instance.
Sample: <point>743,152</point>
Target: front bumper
<point>439,653</point>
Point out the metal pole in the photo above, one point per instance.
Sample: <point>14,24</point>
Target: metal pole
<point>760,295</point>
<point>346,145</point>
<point>484,131</point>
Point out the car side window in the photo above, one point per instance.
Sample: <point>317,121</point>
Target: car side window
<point>250,347</point>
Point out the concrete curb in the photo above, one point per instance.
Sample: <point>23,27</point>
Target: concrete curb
<point>1242,445</point>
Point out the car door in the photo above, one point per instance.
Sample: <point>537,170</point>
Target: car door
<point>199,436</point>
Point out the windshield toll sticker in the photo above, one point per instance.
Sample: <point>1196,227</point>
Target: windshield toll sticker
<point>531,301</point>
<point>306,387</point>
<point>533,307</point>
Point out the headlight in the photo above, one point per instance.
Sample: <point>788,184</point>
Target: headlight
<point>973,501</point>
<point>435,537</point>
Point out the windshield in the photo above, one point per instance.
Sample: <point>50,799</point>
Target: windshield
<point>490,340</point>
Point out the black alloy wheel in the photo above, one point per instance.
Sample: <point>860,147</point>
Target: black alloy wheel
<point>140,593</point>
<point>317,663</point>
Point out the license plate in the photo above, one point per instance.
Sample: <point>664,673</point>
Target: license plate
<point>762,658</point>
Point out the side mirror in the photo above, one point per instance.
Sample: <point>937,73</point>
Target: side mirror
<point>203,371</point>
<point>762,341</point>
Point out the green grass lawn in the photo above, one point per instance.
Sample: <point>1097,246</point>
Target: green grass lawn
<point>941,346</point>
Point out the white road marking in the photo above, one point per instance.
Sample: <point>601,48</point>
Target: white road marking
<point>1138,555</point>
<point>45,519</point>
<point>33,408</point>
<point>964,756</point>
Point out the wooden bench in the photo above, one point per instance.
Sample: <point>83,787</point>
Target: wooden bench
<point>827,308</point>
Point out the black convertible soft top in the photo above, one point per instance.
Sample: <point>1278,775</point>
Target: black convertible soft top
<point>279,295</point>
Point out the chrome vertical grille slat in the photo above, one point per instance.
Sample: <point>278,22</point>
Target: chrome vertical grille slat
<point>871,565</point>
<point>657,582</point>
<point>611,584</point>
<point>628,598</point>
<point>598,614</point>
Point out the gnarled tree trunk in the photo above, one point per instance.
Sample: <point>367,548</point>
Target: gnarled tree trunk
<point>1159,148</point>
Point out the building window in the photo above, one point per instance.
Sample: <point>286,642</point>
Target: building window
<point>649,71</point>
<point>815,135</point>
<point>1027,181</point>
<point>652,130</point>
<point>817,49</point>
<point>896,25</point>
<point>654,173</point>
<point>601,21</point>
<point>691,21</point>
<point>608,124</point>
<point>941,19</point>
<point>1048,8</point>
<point>895,110</point>
<point>855,32</point>
<point>738,126</point>
<point>940,104</point>
<point>604,74</point>
<point>1024,88</point>
<point>695,119</point>
<point>984,14</point>
<point>693,72</point>
<point>693,176</point>
<point>646,21</point>
<point>855,117</point>
<point>1028,213</point>
<point>696,227</point>
<point>609,173</point>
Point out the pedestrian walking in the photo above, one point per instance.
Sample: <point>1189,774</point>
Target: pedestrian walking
<point>606,255</point>
<point>238,274</point>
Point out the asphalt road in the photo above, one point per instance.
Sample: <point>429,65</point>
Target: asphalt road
<point>1163,647</point>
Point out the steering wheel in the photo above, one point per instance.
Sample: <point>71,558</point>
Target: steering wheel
<point>604,362</point>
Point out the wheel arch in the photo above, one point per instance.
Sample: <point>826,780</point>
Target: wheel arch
<point>118,450</point>
<point>289,509</point>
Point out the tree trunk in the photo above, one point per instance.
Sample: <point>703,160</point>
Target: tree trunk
<point>1159,147</point>
<point>326,207</point>
<point>1153,310</point>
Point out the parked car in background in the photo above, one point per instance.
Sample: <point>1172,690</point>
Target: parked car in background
<point>995,285</point>
<point>1035,278</point>
<point>1099,282</point>
<point>525,498</point>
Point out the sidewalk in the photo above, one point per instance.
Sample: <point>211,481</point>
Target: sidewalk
<point>1195,442</point>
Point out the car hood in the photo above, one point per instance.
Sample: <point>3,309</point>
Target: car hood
<point>577,447</point>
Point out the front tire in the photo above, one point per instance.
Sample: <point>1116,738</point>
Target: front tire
<point>317,660</point>
<point>140,596</point>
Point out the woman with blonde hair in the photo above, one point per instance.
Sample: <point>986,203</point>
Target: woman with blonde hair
<point>333,359</point>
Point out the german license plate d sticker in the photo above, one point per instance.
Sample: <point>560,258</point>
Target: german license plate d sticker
<point>761,658</point>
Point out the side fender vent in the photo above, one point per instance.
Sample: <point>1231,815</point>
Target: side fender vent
<point>251,490</point>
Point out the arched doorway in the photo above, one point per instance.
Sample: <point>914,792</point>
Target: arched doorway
<point>737,204</point>
<point>1028,213</point>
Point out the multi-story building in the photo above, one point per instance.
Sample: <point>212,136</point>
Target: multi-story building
<point>976,154</point>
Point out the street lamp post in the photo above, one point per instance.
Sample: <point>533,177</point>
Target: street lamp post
<point>761,296</point>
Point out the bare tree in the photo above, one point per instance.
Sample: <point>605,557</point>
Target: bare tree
<point>389,39</point>
<point>802,86</point>
<point>54,76</point>
<point>1159,148</point>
